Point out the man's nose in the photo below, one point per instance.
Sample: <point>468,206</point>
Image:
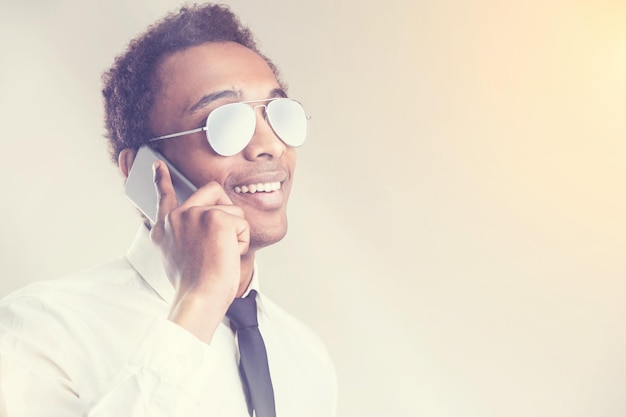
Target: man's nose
<point>265,143</point>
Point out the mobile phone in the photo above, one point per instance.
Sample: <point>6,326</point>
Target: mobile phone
<point>140,186</point>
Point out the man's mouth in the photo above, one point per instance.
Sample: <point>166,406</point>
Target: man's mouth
<point>262,187</point>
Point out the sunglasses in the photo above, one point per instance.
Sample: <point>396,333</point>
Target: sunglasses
<point>229,128</point>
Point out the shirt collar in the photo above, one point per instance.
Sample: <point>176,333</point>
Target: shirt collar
<point>145,258</point>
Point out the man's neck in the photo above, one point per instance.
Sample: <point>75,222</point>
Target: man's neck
<point>247,270</point>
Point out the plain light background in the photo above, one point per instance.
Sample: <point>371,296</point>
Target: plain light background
<point>457,227</point>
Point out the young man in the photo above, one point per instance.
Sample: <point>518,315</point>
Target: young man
<point>157,333</point>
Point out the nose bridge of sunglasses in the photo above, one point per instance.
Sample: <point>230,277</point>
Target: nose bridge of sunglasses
<point>262,114</point>
<point>263,110</point>
<point>265,125</point>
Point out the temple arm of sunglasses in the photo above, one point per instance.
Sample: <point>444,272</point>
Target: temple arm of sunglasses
<point>174,135</point>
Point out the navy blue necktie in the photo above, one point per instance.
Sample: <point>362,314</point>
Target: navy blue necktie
<point>253,366</point>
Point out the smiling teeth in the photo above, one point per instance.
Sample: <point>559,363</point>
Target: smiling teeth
<point>266,187</point>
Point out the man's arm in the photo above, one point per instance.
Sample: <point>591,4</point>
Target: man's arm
<point>44,371</point>
<point>202,242</point>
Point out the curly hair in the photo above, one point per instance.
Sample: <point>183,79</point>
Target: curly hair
<point>131,84</point>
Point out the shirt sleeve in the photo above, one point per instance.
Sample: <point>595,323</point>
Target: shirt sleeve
<point>33,381</point>
<point>167,374</point>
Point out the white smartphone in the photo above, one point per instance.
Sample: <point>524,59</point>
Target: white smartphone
<point>140,182</point>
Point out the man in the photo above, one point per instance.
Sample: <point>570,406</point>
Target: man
<point>154,333</point>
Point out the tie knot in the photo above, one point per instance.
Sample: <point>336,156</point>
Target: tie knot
<point>242,311</point>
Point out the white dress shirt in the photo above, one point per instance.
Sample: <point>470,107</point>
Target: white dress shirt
<point>98,344</point>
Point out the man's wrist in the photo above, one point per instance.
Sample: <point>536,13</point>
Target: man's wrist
<point>200,313</point>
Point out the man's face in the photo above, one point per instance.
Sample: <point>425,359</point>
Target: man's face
<point>187,79</point>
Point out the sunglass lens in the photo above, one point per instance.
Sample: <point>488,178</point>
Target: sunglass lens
<point>230,127</point>
<point>289,121</point>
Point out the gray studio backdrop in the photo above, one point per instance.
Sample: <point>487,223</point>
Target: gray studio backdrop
<point>457,229</point>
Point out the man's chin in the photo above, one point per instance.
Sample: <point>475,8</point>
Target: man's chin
<point>263,237</point>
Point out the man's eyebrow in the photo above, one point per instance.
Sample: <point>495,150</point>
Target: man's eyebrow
<point>209,98</point>
<point>278,92</point>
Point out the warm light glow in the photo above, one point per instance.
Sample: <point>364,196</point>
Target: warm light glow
<point>457,224</point>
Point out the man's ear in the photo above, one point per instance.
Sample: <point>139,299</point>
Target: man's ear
<point>125,160</point>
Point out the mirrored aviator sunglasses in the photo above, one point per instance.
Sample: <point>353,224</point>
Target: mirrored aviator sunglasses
<point>229,128</point>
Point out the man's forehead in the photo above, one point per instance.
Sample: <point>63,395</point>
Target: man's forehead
<point>191,79</point>
<point>213,67</point>
<point>213,58</point>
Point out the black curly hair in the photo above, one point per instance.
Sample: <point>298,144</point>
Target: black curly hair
<point>131,85</point>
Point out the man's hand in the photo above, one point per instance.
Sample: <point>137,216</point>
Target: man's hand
<point>202,242</point>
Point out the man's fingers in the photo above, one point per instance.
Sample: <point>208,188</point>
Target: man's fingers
<point>225,217</point>
<point>201,210</point>
<point>166,196</point>
<point>243,236</point>
<point>210,194</point>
